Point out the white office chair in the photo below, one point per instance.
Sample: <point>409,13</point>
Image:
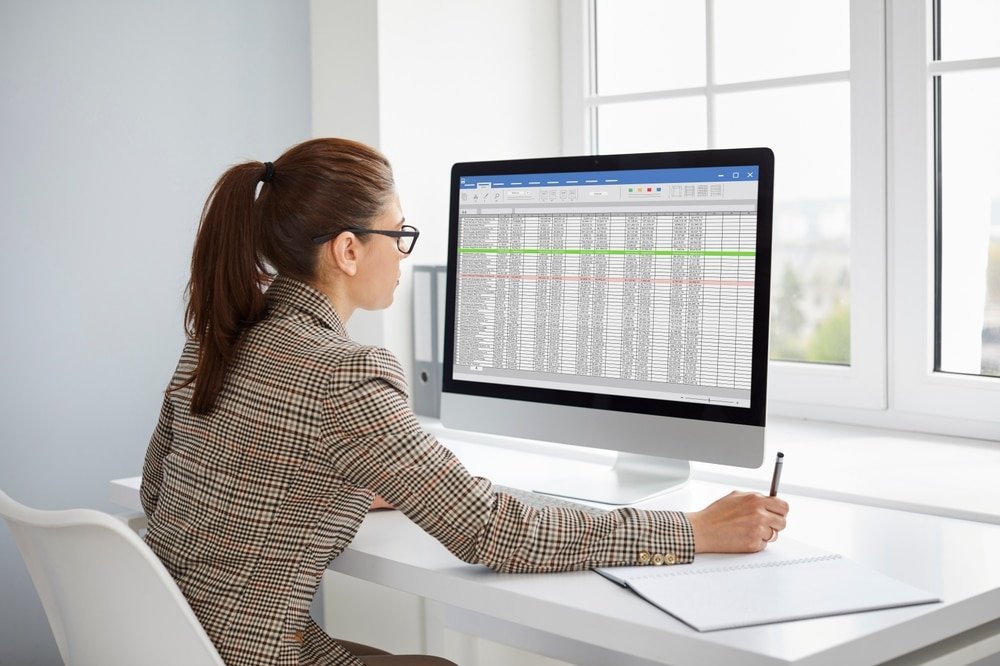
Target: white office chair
<point>108,597</point>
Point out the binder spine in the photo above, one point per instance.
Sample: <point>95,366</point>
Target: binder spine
<point>428,308</point>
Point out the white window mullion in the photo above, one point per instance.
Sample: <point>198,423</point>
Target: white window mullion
<point>945,66</point>
<point>710,71</point>
<point>869,320</point>
<point>577,76</point>
<point>793,387</point>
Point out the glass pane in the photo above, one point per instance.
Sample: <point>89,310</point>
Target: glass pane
<point>970,223</point>
<point>808,128</point>
<point>969,29</point>
<point>763,40</point>
<point>645,45</point>
<point>640,127</point>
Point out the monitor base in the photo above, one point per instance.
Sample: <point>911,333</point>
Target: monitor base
<point>633,478</point>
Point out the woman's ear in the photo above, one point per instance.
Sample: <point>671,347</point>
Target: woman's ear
<point>344,252</point>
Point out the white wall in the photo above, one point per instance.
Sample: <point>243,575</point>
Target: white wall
<point>460,80</point>
<point>346,97</point>
<point>454,80</point>
<point>116,117</point>
<point>431,84</point>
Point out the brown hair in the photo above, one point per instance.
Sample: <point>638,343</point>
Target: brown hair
<point>317,187</point>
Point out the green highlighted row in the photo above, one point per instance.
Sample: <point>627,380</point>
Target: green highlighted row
<point>658,253</point>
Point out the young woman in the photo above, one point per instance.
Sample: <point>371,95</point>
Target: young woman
<point>278,433</point>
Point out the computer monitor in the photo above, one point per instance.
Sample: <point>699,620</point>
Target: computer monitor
<point>613,301</point>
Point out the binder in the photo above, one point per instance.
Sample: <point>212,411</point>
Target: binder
<point>787,581</point>
<point>428,338</point>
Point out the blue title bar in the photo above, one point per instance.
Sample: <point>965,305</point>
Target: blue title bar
<point>630,177</point>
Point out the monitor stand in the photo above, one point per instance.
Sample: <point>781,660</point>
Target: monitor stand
<point>633,478</point>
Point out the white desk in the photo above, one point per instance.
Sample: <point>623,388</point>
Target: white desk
<point>584,619</point>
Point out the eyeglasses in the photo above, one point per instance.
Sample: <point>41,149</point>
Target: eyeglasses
<point>406,237</point>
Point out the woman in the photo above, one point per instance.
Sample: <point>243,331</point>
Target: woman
<point>278,433</point>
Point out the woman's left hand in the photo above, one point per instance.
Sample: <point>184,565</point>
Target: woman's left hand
<point>378,503</point>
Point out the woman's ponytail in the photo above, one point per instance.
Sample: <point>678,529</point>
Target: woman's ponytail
<point>228,277</point>
<point>315,188</point>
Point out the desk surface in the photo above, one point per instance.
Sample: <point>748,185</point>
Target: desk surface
<point>954,559</point>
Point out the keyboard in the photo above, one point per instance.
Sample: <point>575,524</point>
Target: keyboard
<point>542,501</point>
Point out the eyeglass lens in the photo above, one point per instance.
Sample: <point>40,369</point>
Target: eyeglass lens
<point>406,243</point>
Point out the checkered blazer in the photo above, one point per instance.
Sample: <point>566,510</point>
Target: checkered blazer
<point>248,505</point>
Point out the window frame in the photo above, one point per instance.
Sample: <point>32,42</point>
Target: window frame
<point>917,387</point>
<point>891,381</point>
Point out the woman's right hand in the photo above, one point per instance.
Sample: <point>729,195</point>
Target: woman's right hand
<point>740,522</point>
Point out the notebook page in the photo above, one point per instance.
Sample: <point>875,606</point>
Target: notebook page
<point>791,582</point>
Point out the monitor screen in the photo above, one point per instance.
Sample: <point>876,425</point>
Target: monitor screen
<point>624,294</point>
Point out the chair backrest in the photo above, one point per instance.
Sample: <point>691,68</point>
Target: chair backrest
<point>108,597</point>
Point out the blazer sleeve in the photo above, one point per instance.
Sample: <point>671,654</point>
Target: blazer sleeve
<point>159,447</point>
<point>376,442</point>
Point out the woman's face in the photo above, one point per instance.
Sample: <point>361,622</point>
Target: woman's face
<point>379,269</point>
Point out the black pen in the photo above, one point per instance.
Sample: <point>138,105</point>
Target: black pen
<point>777,474</point>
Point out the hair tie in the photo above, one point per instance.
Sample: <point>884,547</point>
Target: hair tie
<point>268,172</point>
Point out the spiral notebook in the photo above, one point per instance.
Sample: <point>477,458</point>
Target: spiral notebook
<point>787,581</point>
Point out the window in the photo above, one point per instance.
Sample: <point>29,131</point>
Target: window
<point>733,85</point>
<point>966,79</point>
<point>886,280</point>
<point>945,173</point>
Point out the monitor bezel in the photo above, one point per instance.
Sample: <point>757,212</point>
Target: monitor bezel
<point>755,414</point>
